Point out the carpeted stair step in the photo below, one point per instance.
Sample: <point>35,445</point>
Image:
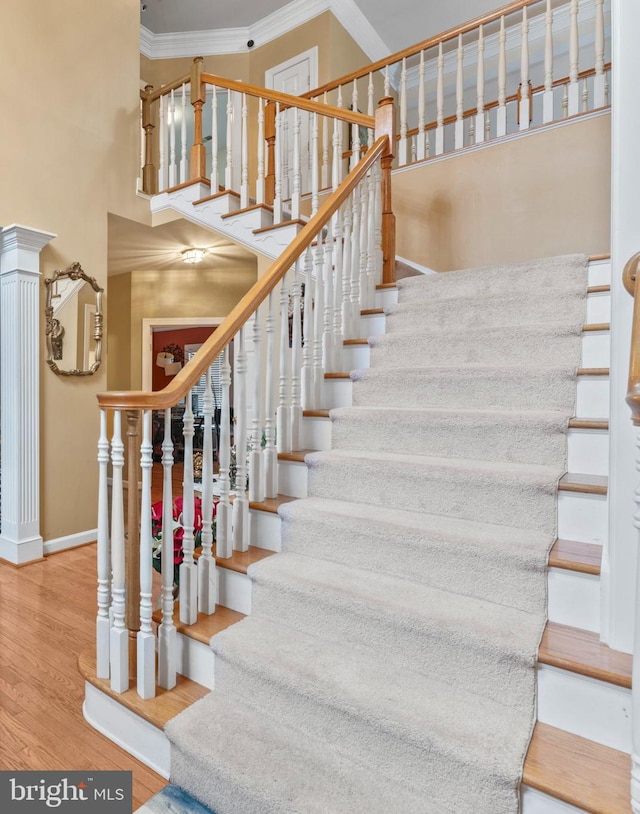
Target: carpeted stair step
<point>492,435</point>
<point>422,547</point>
<point>485,387</point>
<point>520,345</point>
<point>563,275</point>
<point>358,703</point>
<point>505,494</point>
<point>420,628</point>
<point>238,762</point>
<point>475,311</point>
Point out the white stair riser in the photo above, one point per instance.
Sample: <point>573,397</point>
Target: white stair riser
<point>599,307</point>
<point>195,660</point>
<point>582,517</point>
<point>592,709</point>
<point>316,433</point>
<point>127,729</point>
<point>537,802</point>
<point>264,530</point>
<point>337,393</point>
<point>234,590</point>
<point>371,325</point>
<point>600,272</point>
<point>574,599</point>
<point>593,397</point>
<point>596,349</point>
<point>588,451</point>
<point>355,357</point>
<point>385,297</point>
<point>253,219</point>
<point>292,479</point>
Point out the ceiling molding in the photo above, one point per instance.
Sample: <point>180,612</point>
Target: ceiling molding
<point>234,40</point>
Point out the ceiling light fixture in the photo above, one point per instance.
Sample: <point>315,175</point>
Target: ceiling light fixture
<point>193,255</point>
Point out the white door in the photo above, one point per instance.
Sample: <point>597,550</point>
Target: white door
<point>619,564</point>
<point>295,76</point>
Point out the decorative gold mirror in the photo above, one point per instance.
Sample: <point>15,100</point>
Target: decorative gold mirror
<point>73,328</point>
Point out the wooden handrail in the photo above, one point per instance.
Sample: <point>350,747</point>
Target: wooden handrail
<point>630,277</point>
<point>153,95</point>
<point>431,42</point>
<point>287,100</point>
<point>219,339</point>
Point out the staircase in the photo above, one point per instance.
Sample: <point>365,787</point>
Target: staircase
<point>578,759</point>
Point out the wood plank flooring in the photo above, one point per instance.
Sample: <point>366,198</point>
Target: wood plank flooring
<point>47,617</point>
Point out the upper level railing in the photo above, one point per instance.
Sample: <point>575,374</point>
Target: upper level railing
<point>529,63</point>
<point>274,348</point>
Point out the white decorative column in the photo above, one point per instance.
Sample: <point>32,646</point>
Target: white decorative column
<point>20,247</point>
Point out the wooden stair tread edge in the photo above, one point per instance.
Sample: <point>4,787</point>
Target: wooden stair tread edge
<point>596,326</point>
<point>581,651</point>
<point>355,342</point>
<point>247,209</point>
<point>337,375</point>
<point>315,414</point>
<point>589,423</point>
<point>370,312</point>
<point>593,371</point>
<point>580,772</point>
<point>594,258</point>
<point>206,626</point>
<point>570,555</point>
<point>270,504</point>
<point>296,456</point>
<point>585,484</point>
<point>217,195</point>
<point>598,289</point>
<point>273,226</point>
<point>158,710</point>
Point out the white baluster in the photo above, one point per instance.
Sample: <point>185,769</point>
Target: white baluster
<point>635,676</point>
<point>355,260</point>
<point>420,147</point>
<point>355,130</point>
<point>224,534</point>
<point>364,244</point>
<point>459,129</point>
<point>277,200</point>
<point>525,100</point>
<point>270,453</point>
<point>371,242</point>
<point>162,149</point>
<point>402,152</point>
<point>228,172</point>
<point>206,564</point>
<point>146,642</point>
<point>103,623</point>
<point>378,224</point>
<point>172,139</point>
<point>261,170</point>
<point>341,126</point>
<point>184,163</point>
<point>284,136</point>
<point>585,96</point>
<point>297,171</point>
<point>574,84</point>
<point>167,638</point>
<point>325,146</point>
<point>547,98</point>
<point>214,141</point>
<point>119,639</point>
<point>480,88</point>
<point>440,103</point>
<point>349,329</point>
<point>487,126</point>
<point>314,159</point>
<point>283,427</point>
<point>472,130</point>
<point>338,335</point>
<point>328,347</point>
<point>256,471</point>
<point>241,504</point>
<point>565,101</point>
<point>318,325</point>
<point>387,83</point>
<point>244,157</point>
<point>143,146</point>
<point>501,119</point>
<point>188,570</point>
<point>371,107</point>
<point>599,82</point>
<point>307,330</point>
<point>295,419</point>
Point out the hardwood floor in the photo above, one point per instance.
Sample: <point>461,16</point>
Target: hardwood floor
<point>47,617</point>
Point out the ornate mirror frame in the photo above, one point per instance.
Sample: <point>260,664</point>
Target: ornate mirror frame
<point>72,272</point>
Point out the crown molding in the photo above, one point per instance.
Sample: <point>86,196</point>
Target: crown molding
<point>234,40</point>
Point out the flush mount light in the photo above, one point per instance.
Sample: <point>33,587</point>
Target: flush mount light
<point>193,255</point>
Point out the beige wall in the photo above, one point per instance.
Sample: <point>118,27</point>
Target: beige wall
<point>542,195</point>
<point>189,293</point>
<point>68,155</point>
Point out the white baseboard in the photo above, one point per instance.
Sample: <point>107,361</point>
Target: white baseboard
<point>416,266</point>
<point>70,541</point>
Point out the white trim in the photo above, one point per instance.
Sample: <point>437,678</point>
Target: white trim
<point>605,111</point>
<point>234,40</point>
<point>310,56</point>
<point>70,541</point>
<point>159,323</point>
<point>416,266</point>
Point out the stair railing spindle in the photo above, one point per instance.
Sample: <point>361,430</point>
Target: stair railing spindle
<point>261,164</point>
<point>277,201</point>
<point>318,326</point>
<point>501,117</point>
<point>525,99</point>
<point>146,643</point>
<point>214,140</point>
<point>167,638</point>
<point>103,622</point>
<point>328,347</point>
<point>224,534</point>
<point>119,639</point>
<point>270,453</point>
<point>480,88</point>
<point>348,327</point>
<point>402,152</point>
<point>547,98</point>
<point>244,156</point>
<point>297,170</point>
<point>599,82</point>
<point>295,418</point>
<point>184,164</point>
<point>338,335</point>
<point>574,68</point>
<point>206,564</point>
<point>439,103</point>
<point>241,504</point>
<point>162,153</point>
<point>283,427</point>
<point>256,471</point>
<point>228,171</point>
<point>188,570</point>
<point>355,132</point>
<point>314,159</point>
<point>355,259</point>
<point>324,177</point>
<point>307,336</point>
<point>459,127</point>
<point>172,139</point>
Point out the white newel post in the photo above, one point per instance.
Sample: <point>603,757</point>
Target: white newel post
<point>620,596</point>
<point>20,247</point>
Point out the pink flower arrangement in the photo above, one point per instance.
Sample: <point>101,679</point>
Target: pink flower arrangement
<point>178,530</point>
